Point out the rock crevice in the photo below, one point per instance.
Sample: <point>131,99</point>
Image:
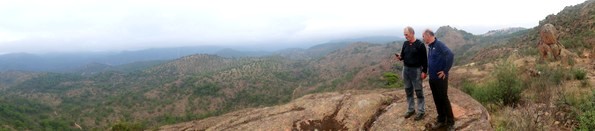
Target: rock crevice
<point>348,110</point>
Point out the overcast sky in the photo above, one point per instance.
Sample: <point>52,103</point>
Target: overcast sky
<point>111,25</point>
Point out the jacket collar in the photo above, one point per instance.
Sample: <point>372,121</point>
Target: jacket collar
<point>434,42</point>
<point>416,41</point>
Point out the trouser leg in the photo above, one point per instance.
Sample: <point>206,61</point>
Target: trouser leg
<point>434,86</point>
<point>417,85</point>
<point>408,89</point>
<point>446,102</point>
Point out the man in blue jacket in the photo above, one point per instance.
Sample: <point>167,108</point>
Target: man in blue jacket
<point>440,60</point>
<point>414,57</point>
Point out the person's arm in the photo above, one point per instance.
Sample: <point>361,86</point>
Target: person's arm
<point>402,48</point>
<point>449,61</point>
<point>423,56</point>
<point>447,58</point>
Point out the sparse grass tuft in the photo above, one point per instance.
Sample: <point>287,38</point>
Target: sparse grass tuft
<point>585,83</point>
<point>517,119</point>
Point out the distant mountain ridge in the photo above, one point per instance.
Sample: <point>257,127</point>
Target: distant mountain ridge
<point>65,62</point>
<point>74,62</point>
<point>370,39</point>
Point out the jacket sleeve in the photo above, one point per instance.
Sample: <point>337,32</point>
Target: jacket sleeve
<point>402,48</point>
<point>447,58</point>
<point>423,54</point>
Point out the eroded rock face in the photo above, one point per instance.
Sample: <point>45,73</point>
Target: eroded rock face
<point>548,34</point>
<point>549,42</point>
<point>349,110</point>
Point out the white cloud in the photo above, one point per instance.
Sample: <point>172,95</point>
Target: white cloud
<point>124,24</point>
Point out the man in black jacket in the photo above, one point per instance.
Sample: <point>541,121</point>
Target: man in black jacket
<point>414,57</point>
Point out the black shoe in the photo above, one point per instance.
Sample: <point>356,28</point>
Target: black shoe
<point>409,114</point>
<point>419,116</point>
<point>438,125</point>
<point>451,128</point>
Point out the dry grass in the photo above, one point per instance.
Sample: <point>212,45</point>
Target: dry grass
<point>552,100</point>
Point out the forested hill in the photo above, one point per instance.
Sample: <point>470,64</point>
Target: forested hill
<point>188,88</point>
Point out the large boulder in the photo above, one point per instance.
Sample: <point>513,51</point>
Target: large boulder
<point>349,110</point>
<point>548,34</point>
<point>548,42</point>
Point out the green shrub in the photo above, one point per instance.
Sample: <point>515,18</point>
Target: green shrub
<point>504,89</point>
<point>126,126</point>
<point>485,95</point>
<point>468,87</point>
<point>579,74</point>
<point>586,119</point>
<point>5,129</point>
<point>508,83</point>
<point>554,75</point>
<point>392,80</point>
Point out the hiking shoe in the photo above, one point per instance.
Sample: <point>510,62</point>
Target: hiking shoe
<point>419,116</point>
<point>438,125</point>
<point>409,114</point>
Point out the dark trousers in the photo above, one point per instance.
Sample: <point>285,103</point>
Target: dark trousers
<point>439,92</point>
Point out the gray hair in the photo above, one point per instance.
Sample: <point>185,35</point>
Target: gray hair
<point>410,29</point>
<point>429,32</point>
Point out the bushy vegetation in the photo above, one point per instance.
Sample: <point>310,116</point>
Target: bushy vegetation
<point>551,76</point>
<point>128,126</point>
<point>22,114</point>
<point>579,74</point>
<point>587,120</point>
<point>576,42</point>
<point>504,89</point>
<point>112,95</point>
<point>392,80</point>
<point>203,85</point>
<point>49,82</point>
<point>582,109</point>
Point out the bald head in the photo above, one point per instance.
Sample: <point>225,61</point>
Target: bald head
<point>409,34</point>
<point>429,32</point>
<point>409,29</point>
<point>428,36</point>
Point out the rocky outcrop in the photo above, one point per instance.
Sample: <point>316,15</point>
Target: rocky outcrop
<point>348,110</point>
<point>453,37</point>
<point>549,42</point>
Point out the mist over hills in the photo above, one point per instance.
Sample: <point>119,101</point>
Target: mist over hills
<point>66,62</point>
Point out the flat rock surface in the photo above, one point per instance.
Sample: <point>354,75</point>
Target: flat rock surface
<point>379,110</point>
